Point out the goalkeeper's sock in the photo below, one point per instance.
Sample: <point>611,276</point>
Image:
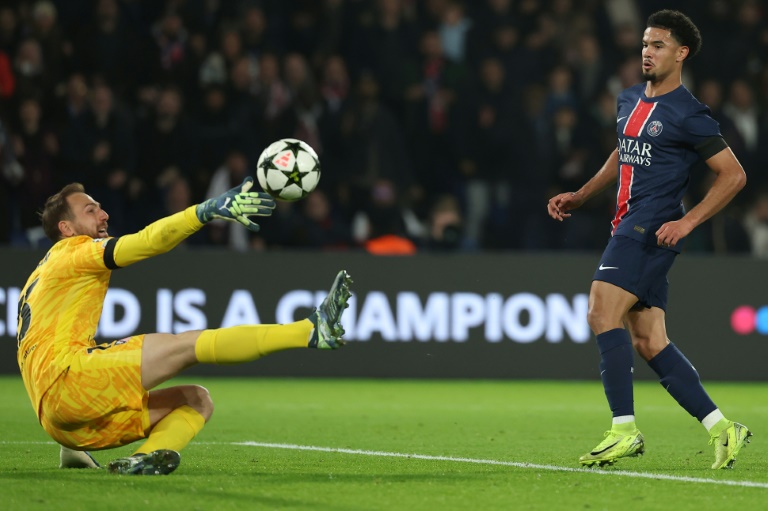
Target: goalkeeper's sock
<point>245,343</point>
<point>174,431</point>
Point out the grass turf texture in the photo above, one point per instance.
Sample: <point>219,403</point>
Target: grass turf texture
<point>546,424</point>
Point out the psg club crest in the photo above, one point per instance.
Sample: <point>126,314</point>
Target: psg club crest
<point>654,128</point>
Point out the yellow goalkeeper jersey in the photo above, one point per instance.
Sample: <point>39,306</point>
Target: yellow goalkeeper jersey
<point>61,303</point>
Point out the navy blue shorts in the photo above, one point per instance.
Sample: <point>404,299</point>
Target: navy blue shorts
<point>638,268</point>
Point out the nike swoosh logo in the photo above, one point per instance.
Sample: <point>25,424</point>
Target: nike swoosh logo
<point>608,267</point>
<point>595,453</point>
<point>618,119</point>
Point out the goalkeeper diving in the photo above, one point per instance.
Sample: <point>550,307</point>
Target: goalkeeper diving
<point>88,396</point>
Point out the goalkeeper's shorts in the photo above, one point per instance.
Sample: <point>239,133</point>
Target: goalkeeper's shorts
<point>99,402</point>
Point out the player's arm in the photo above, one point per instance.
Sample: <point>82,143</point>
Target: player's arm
<point>237,205</point>
<point>156,238</point>
<point>559,205</point>
<point>730,179</point>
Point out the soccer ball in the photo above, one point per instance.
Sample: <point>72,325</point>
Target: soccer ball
<point>288,169</point>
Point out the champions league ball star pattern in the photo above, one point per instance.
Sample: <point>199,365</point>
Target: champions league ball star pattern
<point>288,169</point>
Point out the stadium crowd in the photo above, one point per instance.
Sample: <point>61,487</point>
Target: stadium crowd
<point>440,124</point>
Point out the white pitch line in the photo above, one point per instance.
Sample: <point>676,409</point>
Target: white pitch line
<point>517,464</point>
<point>553,468</point>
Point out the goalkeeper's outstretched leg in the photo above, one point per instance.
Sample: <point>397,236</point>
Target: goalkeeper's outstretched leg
<point>165,355</point>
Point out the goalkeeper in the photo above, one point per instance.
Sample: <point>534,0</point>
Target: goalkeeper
<point>88,396</point>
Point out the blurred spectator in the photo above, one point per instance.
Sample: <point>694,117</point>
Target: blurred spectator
<point>627,36</point>
<point>485,138</point>
<point>171,39</point>
<point>178,197</point>
<point>318,226</point>
<point>430,102</point>
<point>334,101</point>
<point>627,74</point>
<point>101,151</point>
<point>589,68</point>
<point>445,229</point>
<point>7,84</point>
<point>385,226</point>
<point>303,27</point>
<point>108,46</point>
<point>453,29</point>
<point>373,146</point>
<point>306,107</point>
<point>274,98</point>
<point>574,156</point>
<point>69,117</point>
<point>560,93</point>
<point>163,141</point>
<point>386,49</point>
<point>231,47</point>
<point>10,29</point>
<point>744,111</point>
<point>489,18</point>
<point>11,175</point>
<point>756,224</point>
<point>215,131</point>
<point>255,34</point>
<point>56,48</point>
<point>33,79</point>
<point>226,177</point>
<point>36,148</point>
<point>331,35</point>
<point>246,111</point>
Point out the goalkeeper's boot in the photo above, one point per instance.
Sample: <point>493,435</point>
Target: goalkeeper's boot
<point>70,458</point>
<point>728,444</point>
<point>327,317</point>
<point>615,446</point>
<point>160,462</point>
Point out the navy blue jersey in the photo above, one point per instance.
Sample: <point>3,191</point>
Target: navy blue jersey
<point>658,142</point>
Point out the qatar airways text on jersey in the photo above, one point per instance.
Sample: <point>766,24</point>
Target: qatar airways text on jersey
<point>634,152</point>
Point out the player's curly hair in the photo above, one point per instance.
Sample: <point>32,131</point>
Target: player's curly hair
<point>57,209</point>
<point>681,27</point>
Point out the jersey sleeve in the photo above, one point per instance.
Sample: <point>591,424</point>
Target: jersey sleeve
<point>88,255</point>
<point>699,126</point>
<point>156,238</point>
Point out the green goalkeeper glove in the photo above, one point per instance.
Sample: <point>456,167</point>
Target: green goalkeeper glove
<point>236,205</point>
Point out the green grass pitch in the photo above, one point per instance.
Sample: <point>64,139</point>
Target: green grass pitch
<point>313,444</point>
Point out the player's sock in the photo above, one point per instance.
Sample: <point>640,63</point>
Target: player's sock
<point>715,422</point>
<point>616,360</point>
<point>680,379</point>
<point>174,431</point>
<point>624,425</point>
<point>245,343</point>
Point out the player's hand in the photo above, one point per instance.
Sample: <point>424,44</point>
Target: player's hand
<point>237,205</point>
<point>670,233</point>
<point>559,206</point>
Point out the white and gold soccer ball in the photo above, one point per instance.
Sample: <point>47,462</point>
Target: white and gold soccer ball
<point>288,169</point>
